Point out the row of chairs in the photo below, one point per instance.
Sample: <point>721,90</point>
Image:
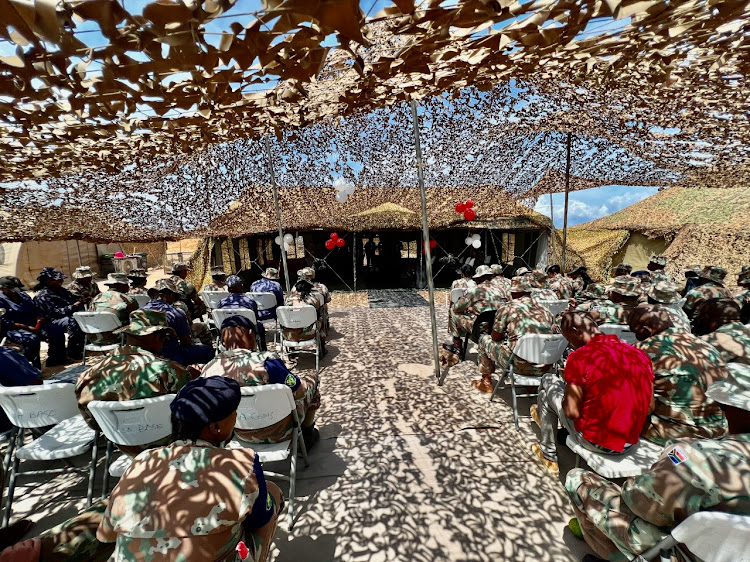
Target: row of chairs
<point>130,423</point>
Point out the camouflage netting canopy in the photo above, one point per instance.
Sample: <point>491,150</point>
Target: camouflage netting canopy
<point>150,122</point>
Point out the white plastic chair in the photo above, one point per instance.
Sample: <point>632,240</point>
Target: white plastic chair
<point>213,298</point>
<point>34,406</point>
<point>620,330</point>
<point>300,317</point>
<point>637,460</point>
<point>221,314</point>
<point>456,294</point>
<point>539,349</point>
<point>710,535</point>
<point>261,407</point>
<point>97,323</point>
<point>266,301</point>
<point>555,307</point>
<point>131,423</point>
<point>142,300</point>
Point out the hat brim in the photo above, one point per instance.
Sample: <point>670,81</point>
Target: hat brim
<point>108,283</point>
<point>625,293</point>
<point>727,393</point>
<point>145,331</point>
<point>271,277</point>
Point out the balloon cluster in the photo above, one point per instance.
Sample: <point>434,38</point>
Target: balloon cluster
<point>467,209</point>
<point>343,189</point>
<point>473,241</point>
<point>433,245</point>
<point>286,241</point>
<point>334,241</point>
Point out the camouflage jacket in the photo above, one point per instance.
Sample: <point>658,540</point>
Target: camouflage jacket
<point>255,368</point>
<point>186,289</point>
<point>118,303</point>
<point>544,295</point>
<point>677,316</point>
<point>215,287</point>
<point>684,367</point>
<point>562,286</point>
<point>79,290</point>
<point>742,297</point>
<point>522,316</point>
<point>605,311</point>
<point>732,341</point>
<point>577,285</point>
<point>463,283</point>
<point>690,476</point>
<point>138,291</point>
<point>484,296</point>
<point>185,501</point>
<point>502,283</point>
<point>323,290</point>
<point>54,305</point>
<point>695,298</point>
<point>129,373</point>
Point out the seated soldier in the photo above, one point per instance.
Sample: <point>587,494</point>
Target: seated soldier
<point>23,325</point>
<point>690,476</point>
<point>742,296</point>
<point>57,305</point>
<point>218,280</point>
<point>684,367</point>
<point>711,287</point>
<point>656,266</point>
<point>562,286</point>
<point>666,297</point>
<point>187,292</point>
<point>623,269</point>
<point>540,286</point>
<point>194,499</point>
<point>485,296</point>
<point>116,300</point>
<point>580,278</point>
<point>623,297</point>
<point>179,347</point>
<point>308,273</point>
<point>605,399</point>
<point>465,281</point>
<point>514,318</point>
<point>238,299</point>
<point>499,279</point>
<point>138,280</point>
<point>135,370</point>
<point>592,292</point>
<point>251,368</point>
<point>301,294</point>
<point>269,283</point>
<point>15,370</point>
<point>645,282</point>
<point>83,285</point>
<point>718,324</point>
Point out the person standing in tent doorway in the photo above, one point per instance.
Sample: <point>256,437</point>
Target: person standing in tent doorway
<point>57,305</point>
<point>83,285</point>
<point>370,253</point>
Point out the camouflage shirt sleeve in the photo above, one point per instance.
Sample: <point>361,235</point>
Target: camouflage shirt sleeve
<point>174,376</point>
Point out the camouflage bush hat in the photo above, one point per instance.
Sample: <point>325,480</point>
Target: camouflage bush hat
<point>625,285</point>
<point>521,284</point>
<point>734,390</point>
<point>206,400</point>
<point>116,279</point>
<point>496,269</point>
<point>624,266</point>
<point>664,292</point>
<point>714,273</point>
<point>218,272</point>
<point>307,273</point>
<point>538,279</point>
<point>522,271</point>
<point>482,271</point>
<point>271,273</point>
<point>167,285</point>
<point>594,291</point>
<point>51,273</point>
<point>744,275</point>
<point>145,322</point>
<point>82,272</point>
<point>658,260</point>
<point>179,266</point>
<point>137,274</point>
<point>233,280</point>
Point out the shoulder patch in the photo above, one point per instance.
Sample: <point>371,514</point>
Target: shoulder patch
<point>290,380</point>
<point>677,456</point>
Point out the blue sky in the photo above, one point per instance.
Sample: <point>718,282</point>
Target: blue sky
<point>589,204</point>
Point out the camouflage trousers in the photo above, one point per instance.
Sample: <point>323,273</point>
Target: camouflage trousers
<point>610,528</point>
<point>461,325</point>
<point>494,353</point>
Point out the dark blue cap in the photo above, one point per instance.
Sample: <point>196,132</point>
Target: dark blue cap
<point>206,400</point>
<point>237,320</point>
<point>52,273</point>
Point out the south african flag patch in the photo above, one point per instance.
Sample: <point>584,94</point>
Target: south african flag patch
<point>677,456</point>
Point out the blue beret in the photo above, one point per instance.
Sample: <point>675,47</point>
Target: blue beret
<point>241,321</point>
<point>233,280</point>
<point>206,400</point>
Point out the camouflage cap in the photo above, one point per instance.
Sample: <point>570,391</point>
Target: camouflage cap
<point>744,274</point>
<point>714,273</point>
<point>734,390</point>
<point>482,271</point>
<point>137,274</point>
<point>82,272</point>
<point>497,269</point>
<point>167,285</point>
<point>538,279</point>
<point>145,322</point>
<point>658,260</point>
<point>271,273</point>
<point>624,266</point>
<point>522,271</point>
<point>521,284</point>
<point>179,266</point>
<point>116,279</point>
<point>218,272</point>
<point>233,280</point>
<point>625,285</point>
<point>51,273</point>
<point>307,273</point>
<point>664,292</point>
<point>594,291</point>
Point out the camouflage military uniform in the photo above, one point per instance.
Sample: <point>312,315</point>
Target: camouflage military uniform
<point>213,286</point>
<point>81,291</point>
<point>732,341</point>
<point>186,501</point>
<point>563,287</point>
<point>605,311</point>
<point>677,316</point>
<point>118,303</point>
<point>690,476</point>
<point>742,297</point>
<point>544,295</point>
<point>294,298</point>
<point>189,296</point>
<point>250,368</point>
<point>464,283</point>
<point>484,296</point>
<point>514,319</point>
<point>577,285</point>
<point>502,283</point>
<point>138,291</point>
<point>695,298</point>
<point>684,367</point>
<point>129,373</point>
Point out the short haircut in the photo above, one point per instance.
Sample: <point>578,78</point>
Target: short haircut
<point>467,270</point>
<point>554,269</point>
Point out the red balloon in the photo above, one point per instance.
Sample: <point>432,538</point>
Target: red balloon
<point>469,214</point>
<point>330,244</point>
<point>340,242</point>
<point>460,207</point>
<point>469,204</point>
<point>433,244</point>
<point>334,237</point>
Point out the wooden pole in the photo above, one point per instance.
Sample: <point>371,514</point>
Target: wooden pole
<point>567,189</point>
<point>552,218</point>
<point>278,212</point>
<point>354,258</point>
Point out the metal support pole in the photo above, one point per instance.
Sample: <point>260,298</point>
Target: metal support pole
<point>552,218</point>
<point>567,189</point>
<point>426,232</point>
<point>78,248</point>
<point>278,212</point>
<point>354,258</point>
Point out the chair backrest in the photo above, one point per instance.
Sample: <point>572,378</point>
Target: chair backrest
<point>213,298</point>
<point>134,422</point>
<point>264,405</point>
<point>620,330</point>
<point>141,299</point>
<point>97,322</point>
<point>456,294</point>
<point>221,314</point>
<point>484,318</point>
<point>39,405</point>
<point>715,536</point>
<point>297,316</point>
<point>265,301</point>
<point>555,307</point>
<point>541,349</point>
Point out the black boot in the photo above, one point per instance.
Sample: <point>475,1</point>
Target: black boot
<point>310,435</point>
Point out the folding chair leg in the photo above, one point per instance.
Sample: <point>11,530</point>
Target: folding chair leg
<point>578,461</point>
<point>499,382</point>
<point>12,484</point>
<point>92,469</point>
<point>515,400</point>
<point>292,478</point>
<point>107,460</point>
<point>84,354</point>
<point>465,348</point>
<point>304,449</point>
<point>9,454</point>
